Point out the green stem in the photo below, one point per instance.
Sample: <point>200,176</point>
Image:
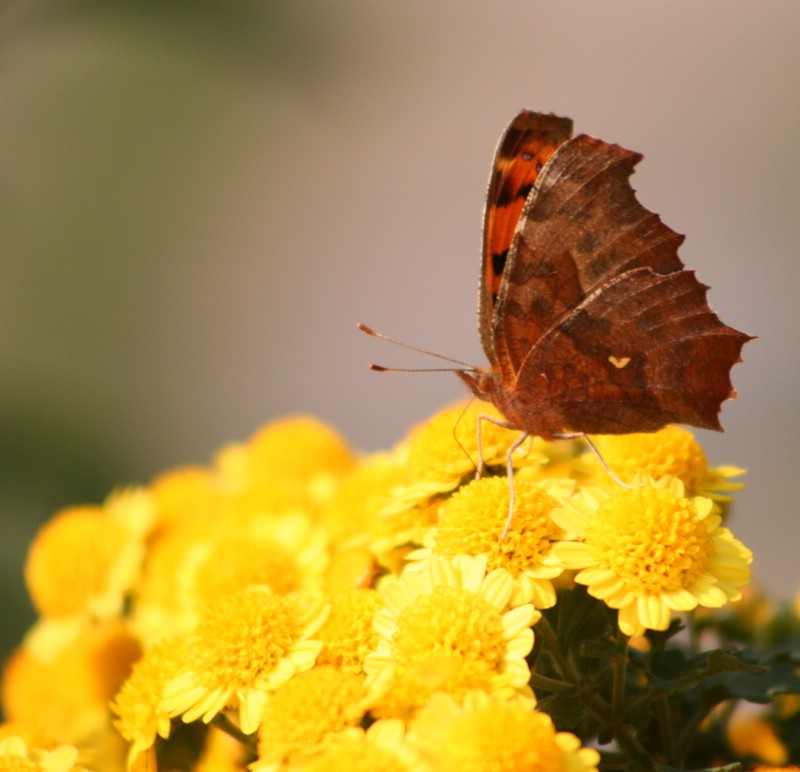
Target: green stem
<point>553,648</point>
<point>549,684</point>
<point>223,723</point>
<point>690,727</point>
<point>599,709</point>
<point>661,704</point>
<point>620,666</point>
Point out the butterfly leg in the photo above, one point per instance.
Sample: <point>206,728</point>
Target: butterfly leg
<point>497,422</point>
<point>509,462</point>
<point>606,468</point>
<point>510,471</point>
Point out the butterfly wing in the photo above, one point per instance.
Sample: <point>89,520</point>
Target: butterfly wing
<point>601,328</point>
<point>525,147</point>
<point>643,351</point>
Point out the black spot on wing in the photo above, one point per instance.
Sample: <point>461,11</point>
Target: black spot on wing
<point>499,262</point>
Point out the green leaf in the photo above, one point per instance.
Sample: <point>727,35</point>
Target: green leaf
<point>565,709</point>
<point>674,673</point>
<point>600,649</point>
<point>759,683</point>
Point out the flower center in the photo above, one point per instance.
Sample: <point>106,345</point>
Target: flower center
<point>507,737</point>
<point>473,519</point>
<point>452,634</point>
<point>244,639</point>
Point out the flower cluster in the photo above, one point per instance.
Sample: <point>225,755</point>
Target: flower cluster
<point>296,605</point>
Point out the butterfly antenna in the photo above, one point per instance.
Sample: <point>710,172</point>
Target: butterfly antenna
<point>381,369</point>
<point>458,441</point>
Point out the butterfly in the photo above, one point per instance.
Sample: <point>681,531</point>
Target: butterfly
<point>589,320</point>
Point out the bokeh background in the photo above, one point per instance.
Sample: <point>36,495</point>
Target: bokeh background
<point>198,201</point>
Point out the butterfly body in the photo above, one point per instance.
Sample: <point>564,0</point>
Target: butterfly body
<point>588,318</point>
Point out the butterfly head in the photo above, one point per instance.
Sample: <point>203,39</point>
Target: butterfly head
<point>482,383</point>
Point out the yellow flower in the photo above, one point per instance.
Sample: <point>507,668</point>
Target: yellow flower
<point>183,494</point>
<point>65,695</point>
<point>85,559</point>
<point>350,569</point>
<point>167,602</point>
<point>650,551</point>
<point>362,513</point>
<point>751,735</point>
<point>382,748</point>
<point>670,452</point>
<point>444,452</point>
<point>246,646</point>
<point>293,463</point>
<point>17,756</point>
<point>136,703</point>
<point>351,517</point>
<point>764,768</point>
<point>348,635</point>
<point>447,625</point>
<point>285,552</point>
<point>485,735</point>
<point>195,564</point>
<point>472,521</point>
<point>307,709</point>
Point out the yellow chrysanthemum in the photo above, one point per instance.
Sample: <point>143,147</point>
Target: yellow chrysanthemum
<point>752,736</point>
<point>650,551</point>
<point>485,735</point>
<point>85,559</point>
<point>136,703</point>
<point>349,569</point>
<point>287,553</point>
<point>17,756</point>
<point>194,565</point>
<point>167,602</point>
<point>472,522</point>
<point>348,635</point>
<point>789,768</point>
<point>66,695</point>
<point>292,463</point>
<point>382,748</point>
<point>301,446</point>
<point>186,493</point>
<point>449,626</point>
<point>364,510</point>
<point>246,646</point>
<point>305,710</point>
<point>444,452</point>
<point>670,452</point>
<point>352,517</point>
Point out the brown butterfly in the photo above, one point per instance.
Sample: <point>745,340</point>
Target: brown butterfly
<point>590,323</point>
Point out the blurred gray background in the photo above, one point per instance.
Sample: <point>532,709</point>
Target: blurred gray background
<point>200,200</point>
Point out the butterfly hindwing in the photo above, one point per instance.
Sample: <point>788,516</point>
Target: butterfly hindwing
<point>601,328</point>
<point>642,351</point>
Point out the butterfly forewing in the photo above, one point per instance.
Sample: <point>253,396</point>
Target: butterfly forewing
<point>525,147</point>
